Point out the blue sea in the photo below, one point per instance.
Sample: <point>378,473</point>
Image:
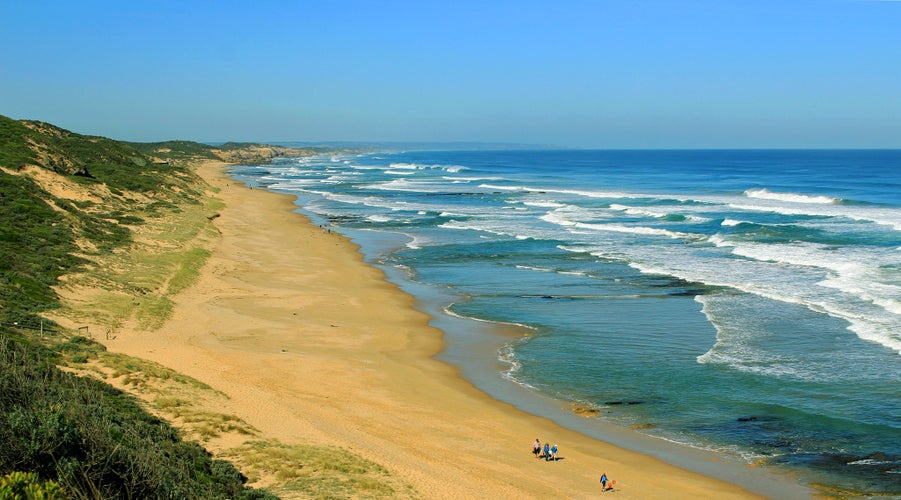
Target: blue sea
<point>742,302</point>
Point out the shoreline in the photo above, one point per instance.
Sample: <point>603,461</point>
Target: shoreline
<point>313,345</point>
<point>472,345</point>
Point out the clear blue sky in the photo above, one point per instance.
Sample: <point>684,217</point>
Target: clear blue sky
<point>607,74</point>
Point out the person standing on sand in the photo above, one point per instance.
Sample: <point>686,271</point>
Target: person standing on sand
<point>536,448</point>
<point>603,481</point>
<point>547,452</point>
<point>554,453</point>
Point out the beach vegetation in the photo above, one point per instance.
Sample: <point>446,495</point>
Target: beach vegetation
<point>27,485</point>
<point>137,373</point>
<point>92,440</point>
<point>36,248</point>
<point>317,471</point>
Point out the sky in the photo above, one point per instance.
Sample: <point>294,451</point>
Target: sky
<point>585,74</point>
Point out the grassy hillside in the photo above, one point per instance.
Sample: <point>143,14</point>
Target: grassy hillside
<point>47,233</point>
<point>126,226</point>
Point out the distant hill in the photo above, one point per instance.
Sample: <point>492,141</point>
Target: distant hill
<point>29,142</point>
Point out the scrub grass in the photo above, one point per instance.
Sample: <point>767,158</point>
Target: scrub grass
<point>133,285</point>
<point>290,471</point>
<point>178,398</point>
<point>315,471</point>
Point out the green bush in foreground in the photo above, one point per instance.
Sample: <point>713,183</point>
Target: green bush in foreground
<point>25,485</point>
<point>95,441</point>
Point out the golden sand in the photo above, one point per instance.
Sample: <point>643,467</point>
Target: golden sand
<point>311,345</point>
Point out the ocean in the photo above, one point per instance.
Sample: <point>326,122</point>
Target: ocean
<point>742,302</point>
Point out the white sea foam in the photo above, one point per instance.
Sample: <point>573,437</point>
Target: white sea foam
<point>533,268</point>
<point>418,241</point>
<point>884,334</point>
<point>472,179</point>
<point>373,202</point>
<point>556,217</point>
<point>720,241</point>
<point>863,297</point>
<point>639,230</point>
<point>791,280</point>
<point>366,167</point>
<point>415,166</point>
<point>637,211</point>
<point>484,226</point>
<point>413,185</point>
<point>543,204</point>
<point>293,184</point>
<point>293,171</point>
<point>336,179</point>
<point>879,215</point>
<point>871,461</point>
<point>643,212</point>
<point>791,197</point>
<point>799,254</point>
<point>738,345</point>
<point>576,192</point>
<point>884,295</point>
<point>839,287</point>
<point>405,166</point>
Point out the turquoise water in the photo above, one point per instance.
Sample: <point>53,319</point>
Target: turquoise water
<point>747,302</point>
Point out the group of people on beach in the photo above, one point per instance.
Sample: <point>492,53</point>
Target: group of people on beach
<point>548,453</point>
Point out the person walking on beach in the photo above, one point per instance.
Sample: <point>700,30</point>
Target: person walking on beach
<point>547,452</point>
<point>536,448</point>
<point>603,481</point>
<point>554,453</point>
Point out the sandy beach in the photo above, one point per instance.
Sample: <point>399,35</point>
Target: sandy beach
<point>311,345</point>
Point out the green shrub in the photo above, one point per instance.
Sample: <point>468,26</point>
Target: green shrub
<point>95,440</point>
<point>27,486</point>
<point>14,150</point>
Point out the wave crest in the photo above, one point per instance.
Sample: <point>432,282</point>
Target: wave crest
<point>766,194</point>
